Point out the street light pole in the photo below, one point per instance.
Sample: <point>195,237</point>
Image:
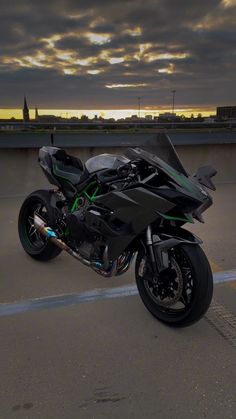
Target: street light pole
<point>173,104</point>
<point>139,101</point>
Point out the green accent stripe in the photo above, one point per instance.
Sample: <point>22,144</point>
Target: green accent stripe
<point>188,219</point>
<point>180,179</point>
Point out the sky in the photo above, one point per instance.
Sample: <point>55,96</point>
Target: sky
<point>86,54</point>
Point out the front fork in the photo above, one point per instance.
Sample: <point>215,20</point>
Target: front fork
<point>150,247</point>
<point>158,248</point>
<point>159,257</point>
<point>159,260</point>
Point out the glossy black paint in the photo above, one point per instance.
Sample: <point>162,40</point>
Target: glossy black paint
<point>123,211</point>
<point>133,209</point>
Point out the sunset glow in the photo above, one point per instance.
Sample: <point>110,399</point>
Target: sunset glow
<point>105,113</point>
<point>104,55</point>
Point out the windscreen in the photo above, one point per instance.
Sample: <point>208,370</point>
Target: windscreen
<point>105,161</point>
<point>162,147</point>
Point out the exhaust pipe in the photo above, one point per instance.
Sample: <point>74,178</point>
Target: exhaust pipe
<point>48,232</point>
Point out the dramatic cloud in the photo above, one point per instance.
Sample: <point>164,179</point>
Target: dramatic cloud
<point>101,54</point>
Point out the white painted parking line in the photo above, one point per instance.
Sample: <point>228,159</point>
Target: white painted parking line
<point>57,301</point>
<point>224,276</point>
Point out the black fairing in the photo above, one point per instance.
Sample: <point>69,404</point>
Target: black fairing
<point>160,193</point>
<point>45,162</point>
<point>162,148</point>
<point>180,199</point>
<point>130,211</point>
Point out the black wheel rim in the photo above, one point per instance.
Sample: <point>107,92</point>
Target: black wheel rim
<point>35,239</point>
<point>172,305</point>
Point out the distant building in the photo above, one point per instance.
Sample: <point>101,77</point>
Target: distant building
<point>132,118</point>
<point>226,112</point>
<point>168,117</point>
<point>49,118</point>
<point>25,111</point>
<point>84,118</point>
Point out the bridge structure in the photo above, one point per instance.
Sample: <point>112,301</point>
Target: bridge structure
<point>75,345</point>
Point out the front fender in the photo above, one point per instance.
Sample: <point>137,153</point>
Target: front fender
<point>180,233</point>
<point>168,239</point>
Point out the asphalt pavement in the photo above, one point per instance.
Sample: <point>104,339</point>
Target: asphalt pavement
<point>72,356</point>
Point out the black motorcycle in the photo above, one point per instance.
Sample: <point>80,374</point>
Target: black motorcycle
<point>107,210</point>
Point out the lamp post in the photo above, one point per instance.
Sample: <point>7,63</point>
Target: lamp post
<point>173,103</point>
<point>139,102</point>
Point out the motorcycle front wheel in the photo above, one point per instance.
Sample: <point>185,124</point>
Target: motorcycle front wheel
<point>182,294</point>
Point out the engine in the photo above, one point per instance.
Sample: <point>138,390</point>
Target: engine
<point>87,242</point>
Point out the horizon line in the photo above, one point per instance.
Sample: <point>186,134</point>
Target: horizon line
<point>8,113</point>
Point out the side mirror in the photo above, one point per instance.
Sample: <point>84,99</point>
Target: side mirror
<point>204,175</point>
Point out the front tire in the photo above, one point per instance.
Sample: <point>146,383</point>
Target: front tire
<point>184,297</point>
<point>36,245</point>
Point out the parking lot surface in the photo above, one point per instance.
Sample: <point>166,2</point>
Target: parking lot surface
<point>108,357</point>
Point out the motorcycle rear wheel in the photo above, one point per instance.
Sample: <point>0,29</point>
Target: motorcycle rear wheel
<point>191,291</point>
<point>36,245</point>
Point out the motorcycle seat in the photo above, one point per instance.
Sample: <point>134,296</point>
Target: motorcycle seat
<point>68,167</point>
<point>63,166</point>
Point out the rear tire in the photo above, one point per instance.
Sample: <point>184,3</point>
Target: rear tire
<point>36,245</point>
<point>195,291</point>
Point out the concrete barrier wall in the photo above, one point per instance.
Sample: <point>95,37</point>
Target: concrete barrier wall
<point>20,173</point>
<point>103,138</point>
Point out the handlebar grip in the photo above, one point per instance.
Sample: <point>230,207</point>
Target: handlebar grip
<point>124,170</point>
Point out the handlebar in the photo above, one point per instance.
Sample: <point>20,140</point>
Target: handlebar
<point>124,170</point>
<point>112,175</point>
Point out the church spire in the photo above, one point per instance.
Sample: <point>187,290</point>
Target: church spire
<point>25,111</point>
